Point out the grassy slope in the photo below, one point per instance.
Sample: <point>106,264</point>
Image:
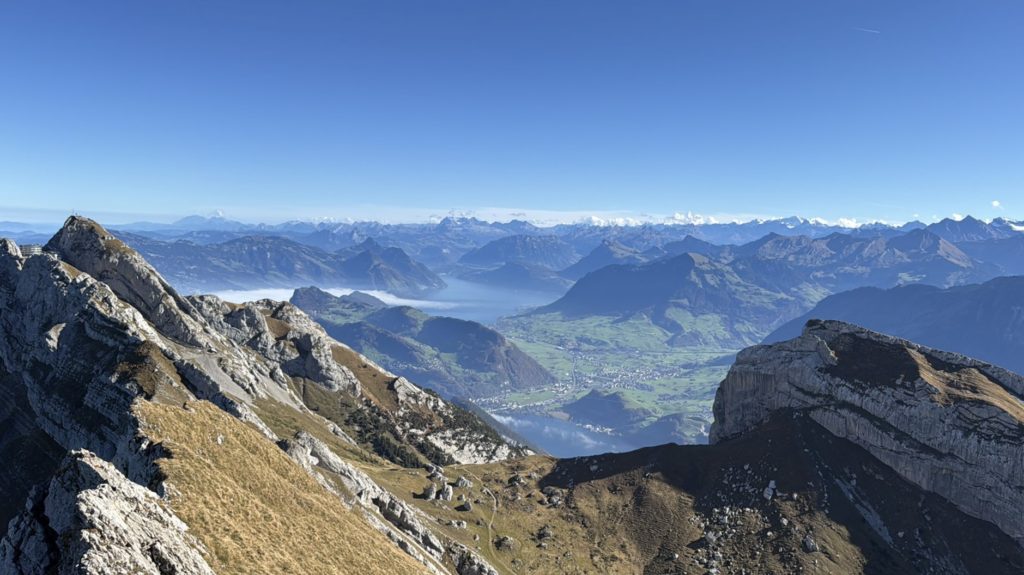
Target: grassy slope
<point>254,509</point>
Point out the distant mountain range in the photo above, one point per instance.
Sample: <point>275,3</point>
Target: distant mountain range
<point>981,320</point>
<point>444,243</point>
<point>455,357</point>
<point>732,296</point>
<point>258,261</point>
<point>734,283</point>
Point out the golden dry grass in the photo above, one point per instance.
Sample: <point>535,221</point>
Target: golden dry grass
<point>968,384</point>
<point>255,510</point>
<point>286,421</point>
<point>575,549</point>
<point>375,383</point>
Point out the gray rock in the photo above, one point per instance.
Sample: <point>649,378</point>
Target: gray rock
<point>504,543</point>
<point>545,532</point>
<point>446,493</point>
<point>809,544</point>
<point>469,563</point>
<point>91,520</point>
<point>430,491</point>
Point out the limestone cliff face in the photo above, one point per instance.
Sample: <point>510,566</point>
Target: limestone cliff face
<point>947,423</point>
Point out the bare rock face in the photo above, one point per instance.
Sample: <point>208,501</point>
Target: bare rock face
<point>947,423</point>
<point>61,335</point>
<point>91,520</point>
<point>88,247</point>
<point>279,332</point>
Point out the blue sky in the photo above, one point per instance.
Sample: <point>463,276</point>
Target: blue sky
<point>276,110</point>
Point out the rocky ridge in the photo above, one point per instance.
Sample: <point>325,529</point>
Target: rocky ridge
<point>952,425</point>
<point>89,329</point>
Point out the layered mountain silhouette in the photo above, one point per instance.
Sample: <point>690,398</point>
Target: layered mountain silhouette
<point>521,276</point>
<point>733,296</point>
<point>259,261</point>
<point>610,252</point>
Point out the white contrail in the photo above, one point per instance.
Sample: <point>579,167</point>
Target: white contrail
<point>868,30</point>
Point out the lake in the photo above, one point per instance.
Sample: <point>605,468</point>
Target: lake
<point>461,299</point>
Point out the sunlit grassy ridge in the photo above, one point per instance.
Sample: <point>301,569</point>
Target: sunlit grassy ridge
<point>255,510</point>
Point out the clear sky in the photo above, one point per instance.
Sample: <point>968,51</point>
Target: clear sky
<point>299,109</point>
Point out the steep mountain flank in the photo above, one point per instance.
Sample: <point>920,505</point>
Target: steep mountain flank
<point>947,423</point>
<point>612,409</point>
<point>457,357</point>
<point>520,275</point>
<point>390,269</point>
<point>135,409</point>
<point>699,301</point>
<point>1006,253</point>
<point>610,252</point>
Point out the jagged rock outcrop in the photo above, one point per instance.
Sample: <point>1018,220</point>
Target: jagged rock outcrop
<point>469,563</point>
<point>282,333</point>
<point>91,520</point>
<point>947,423</point>
<point>314,454</point>
<point>70,346</point>
<point>300,349</point>
<point>85,245</point>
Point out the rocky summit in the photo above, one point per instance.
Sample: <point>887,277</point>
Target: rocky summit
<point>143,431</point>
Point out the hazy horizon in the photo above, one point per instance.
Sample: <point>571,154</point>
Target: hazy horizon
<point>46,219</point>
